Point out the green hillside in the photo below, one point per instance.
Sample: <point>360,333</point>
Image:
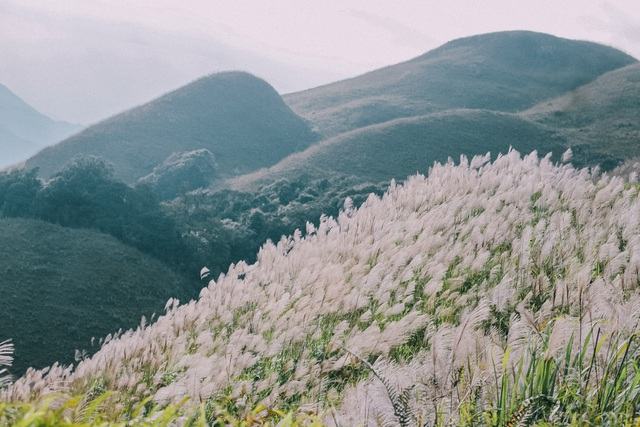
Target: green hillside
<point>402,147</point>
<point>600,118</point>
<point>237,117</point>
<point>23,130</point>
<point>505,71</point>
<point>61,287</point>
<point>464,98</point>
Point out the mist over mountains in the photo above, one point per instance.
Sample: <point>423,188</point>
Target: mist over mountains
<point>24,131</point>
<point>469,81</point>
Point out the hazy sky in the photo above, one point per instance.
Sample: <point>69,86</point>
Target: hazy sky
<point>82,60</point>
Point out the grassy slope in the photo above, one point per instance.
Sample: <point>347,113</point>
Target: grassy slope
<point>61,286</point>
<point>239,118</point>
<point>505,71</point>
<point>404,146</point>
<point>600,117</point>
<point>463,98</point>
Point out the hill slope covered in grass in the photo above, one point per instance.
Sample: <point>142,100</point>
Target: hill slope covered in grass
<point>505,71</point>
<point>23,130</point>
<point>482,294</point>
<point>464,98</point>
<point>600,118</point>
<point>237,117</point>
<point>402,147</point>
<point>61,287</point>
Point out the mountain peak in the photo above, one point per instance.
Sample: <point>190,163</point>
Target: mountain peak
<point>505,71</point>
<point>530,45</point>
<point>231,80</point>
<point>238,117</point>
<point>508,36</point>
<point>229,87</point>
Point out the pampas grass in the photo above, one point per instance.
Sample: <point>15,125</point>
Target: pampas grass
<point>478,282</point>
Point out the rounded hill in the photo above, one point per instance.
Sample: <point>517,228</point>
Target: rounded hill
<point>61,287</point>
<point>240,118</point>
<point>600,118</point>
<point>505,71</point>
<point>404,146</point>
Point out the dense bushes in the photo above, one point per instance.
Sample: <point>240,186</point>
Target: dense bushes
<point>182,172</point>
<point>199,228</point>
<point>228,226</point>
<point>85,195</point>
<point>18,191</point>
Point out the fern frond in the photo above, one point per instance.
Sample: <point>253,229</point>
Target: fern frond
<point>6,359</point>
<point>399,399</point>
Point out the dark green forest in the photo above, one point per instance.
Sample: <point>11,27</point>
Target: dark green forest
<point>163,245</point>
<point>199,228</point>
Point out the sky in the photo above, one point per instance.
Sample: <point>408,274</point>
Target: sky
<point>84,60</point>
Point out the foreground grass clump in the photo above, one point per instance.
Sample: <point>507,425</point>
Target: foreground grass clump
<point>107,410</point>
<point>576,388</point>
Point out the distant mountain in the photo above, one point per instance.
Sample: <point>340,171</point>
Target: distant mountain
<point>465,97</point>
<point>402,147</point>
<point>23,130</point>
<point>600,119</point>
<point>62,286</point>
<point>14,149</point>
<point>505,71</point>
<point>239,118</point>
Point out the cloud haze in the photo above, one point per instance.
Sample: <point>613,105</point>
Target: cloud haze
<point>82,61</point>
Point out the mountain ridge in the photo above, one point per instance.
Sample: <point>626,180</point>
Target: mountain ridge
<point>599,117</point>
<point>229,113</point>
<point>400,147</point>
<point>470,72</point>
